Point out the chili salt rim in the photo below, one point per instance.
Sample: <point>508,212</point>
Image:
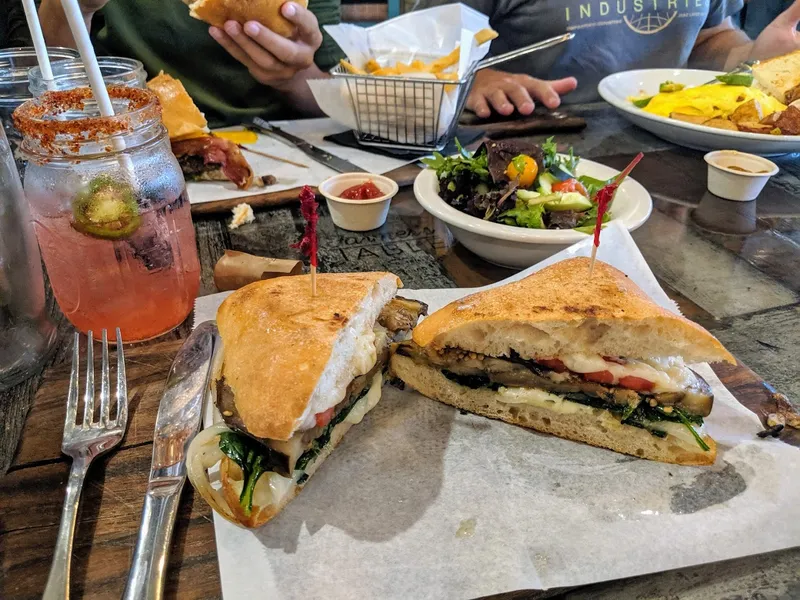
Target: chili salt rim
<point>30,122</point>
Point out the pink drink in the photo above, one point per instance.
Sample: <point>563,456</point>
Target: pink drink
<point>144,284</point>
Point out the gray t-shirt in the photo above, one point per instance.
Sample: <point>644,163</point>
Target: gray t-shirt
<point>610,35</point>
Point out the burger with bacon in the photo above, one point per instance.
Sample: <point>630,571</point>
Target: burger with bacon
<point>201,155</point>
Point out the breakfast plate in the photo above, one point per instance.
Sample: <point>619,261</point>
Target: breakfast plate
<point>617,90</point>
<point>520,247</point>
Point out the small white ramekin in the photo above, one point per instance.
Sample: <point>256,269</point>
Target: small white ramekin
<point>733,184</point>
<point>358,215</point>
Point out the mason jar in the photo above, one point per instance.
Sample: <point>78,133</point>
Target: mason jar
<point>26,333</point>
<point>110,211</point>
<point>68,74</point>
<point>14,66</point>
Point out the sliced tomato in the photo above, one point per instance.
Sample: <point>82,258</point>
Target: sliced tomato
<point>553,364</point>
<point>570,185</point>
<point>600,377</point>
<point>324,418</point>
<point>638,384</point>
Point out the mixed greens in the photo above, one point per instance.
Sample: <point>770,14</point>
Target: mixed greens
<point>519,184</point>
<point>640,415</point>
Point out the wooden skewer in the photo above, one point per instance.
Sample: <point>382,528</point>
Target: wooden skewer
<point>313,280</point>
<point>594,257</point>
<point>272,156</point>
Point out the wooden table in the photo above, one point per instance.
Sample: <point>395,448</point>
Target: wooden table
<point>731,267</point>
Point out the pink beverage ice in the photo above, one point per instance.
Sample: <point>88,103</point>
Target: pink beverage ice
<point>114,228</point>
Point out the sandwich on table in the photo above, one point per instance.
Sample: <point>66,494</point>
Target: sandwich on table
<point>295,372</point>
<point>593,360</point>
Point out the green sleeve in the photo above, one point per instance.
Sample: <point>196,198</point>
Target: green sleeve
<point>328,12</point>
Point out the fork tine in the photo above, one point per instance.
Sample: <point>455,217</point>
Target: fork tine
<point>88,396</point>
<point>105,392</point>
<point>72,396</point>
<point>122,386</point>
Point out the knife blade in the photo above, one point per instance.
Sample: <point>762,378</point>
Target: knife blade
<point>339,165</point>
<point>179,415</point>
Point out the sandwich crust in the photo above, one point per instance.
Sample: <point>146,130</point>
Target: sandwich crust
<point>559,310</point>
<point>266,12</point>
<point>278,341</point>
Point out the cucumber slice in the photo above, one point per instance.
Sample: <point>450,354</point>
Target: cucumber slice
<point>528,195</point>
<point>569,201</point>
<point>546,181</point>
<point>106,209</point>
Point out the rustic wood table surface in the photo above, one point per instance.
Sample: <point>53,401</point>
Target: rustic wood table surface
<point>733,267</point>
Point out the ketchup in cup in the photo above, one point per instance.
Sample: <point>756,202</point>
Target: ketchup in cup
<point>362,191</point>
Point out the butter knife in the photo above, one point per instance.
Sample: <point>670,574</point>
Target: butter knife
<point>339,165</point>
<point>178,421</point>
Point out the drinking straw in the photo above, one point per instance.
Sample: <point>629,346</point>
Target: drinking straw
<point>81,35</point>
<point>38,42</point>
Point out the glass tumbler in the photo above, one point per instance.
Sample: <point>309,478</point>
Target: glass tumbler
<point>26,333</point>
<point>110,211</point>
<point>68,74</point>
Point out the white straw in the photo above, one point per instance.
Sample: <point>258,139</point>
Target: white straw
<point>84,43</point>
<point>38,42</point>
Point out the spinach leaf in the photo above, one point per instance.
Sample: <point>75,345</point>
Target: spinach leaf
<point>252,460</point>
<point>687,421</point>
<point>553,161</point>
<point>593,185</point>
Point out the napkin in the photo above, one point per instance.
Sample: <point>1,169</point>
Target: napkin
<point>420,501</point>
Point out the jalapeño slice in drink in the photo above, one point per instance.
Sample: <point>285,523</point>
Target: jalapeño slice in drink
<point>106,209</point>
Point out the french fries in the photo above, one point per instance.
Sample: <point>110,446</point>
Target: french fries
<point>418,67</point>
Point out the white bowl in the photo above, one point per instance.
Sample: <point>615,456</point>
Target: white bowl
<point>726,181</point>
<point>616,89</point>
<point>358,215</point>
<point>519,247</point>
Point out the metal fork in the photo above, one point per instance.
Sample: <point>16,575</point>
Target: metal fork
<point>84,442</point>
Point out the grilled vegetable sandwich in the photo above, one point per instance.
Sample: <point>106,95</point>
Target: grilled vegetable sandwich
<point>586,359</point>
<point>295,372</point>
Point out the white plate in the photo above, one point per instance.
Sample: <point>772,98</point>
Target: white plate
<point>616,89</point>
<point>519,247</point>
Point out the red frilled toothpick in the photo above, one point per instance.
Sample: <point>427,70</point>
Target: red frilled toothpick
<point>308,244</point>
<point>604,197</point>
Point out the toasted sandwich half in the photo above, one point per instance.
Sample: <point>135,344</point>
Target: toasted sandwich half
<point>780,76</point>
<point>592,360</point>
<point>294,374</point>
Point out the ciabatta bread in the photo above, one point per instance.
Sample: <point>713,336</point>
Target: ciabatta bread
<point>581,423</point>
<point>560,310</point>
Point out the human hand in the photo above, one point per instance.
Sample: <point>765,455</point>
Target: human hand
<point>780,36</point>
<point>271,58</point>
<point>506,91</point>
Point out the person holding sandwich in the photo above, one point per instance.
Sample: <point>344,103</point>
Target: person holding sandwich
<point>612,36</point>
<point>234,69</point>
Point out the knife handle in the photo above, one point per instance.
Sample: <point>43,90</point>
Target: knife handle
<point>148,571</point>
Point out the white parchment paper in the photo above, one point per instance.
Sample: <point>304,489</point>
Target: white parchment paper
<point>399,110</point>
<point>381,519</point>
<point>290,176</point>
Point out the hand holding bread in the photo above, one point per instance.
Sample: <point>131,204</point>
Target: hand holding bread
<point>275,44</point>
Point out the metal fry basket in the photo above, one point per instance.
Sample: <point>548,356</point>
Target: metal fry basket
<point>416,113</point>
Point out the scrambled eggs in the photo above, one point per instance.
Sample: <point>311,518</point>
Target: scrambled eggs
<point>710,101</point>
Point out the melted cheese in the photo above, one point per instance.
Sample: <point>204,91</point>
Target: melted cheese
<point>668,374</point>
<point>367,402</point>
<point>365,353</point>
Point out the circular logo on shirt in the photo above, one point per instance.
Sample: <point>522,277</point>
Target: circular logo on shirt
<point>651,22</point>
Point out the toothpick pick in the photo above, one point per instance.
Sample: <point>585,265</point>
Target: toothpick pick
<point>313,281</point>
<point>594,258</point>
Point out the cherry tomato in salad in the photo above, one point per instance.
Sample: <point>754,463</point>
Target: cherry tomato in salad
<point>570,185</point>
<point>324,418</point>
<point>638,384</point>
<point>524,168</point>
<point>600,377</point>
<point>554,364</point>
